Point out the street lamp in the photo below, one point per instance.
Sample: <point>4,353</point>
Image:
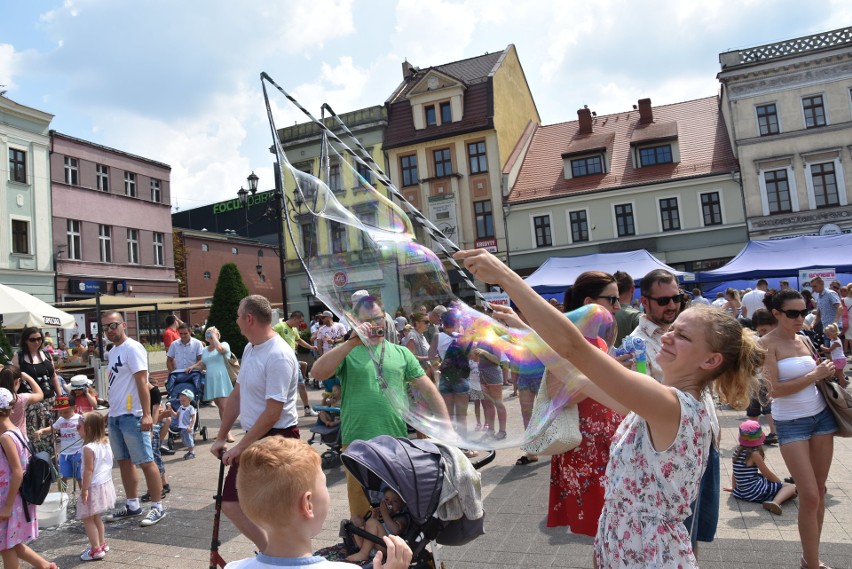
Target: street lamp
<point>276,205</point>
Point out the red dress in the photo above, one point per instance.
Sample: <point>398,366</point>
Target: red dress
<point>577,476</point>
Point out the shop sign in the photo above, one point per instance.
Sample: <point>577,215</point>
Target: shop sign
<point>489,245</point>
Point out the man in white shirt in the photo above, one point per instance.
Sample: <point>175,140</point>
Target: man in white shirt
<point>184,353</point>
<point>330,334</point>
<point>753,301</point>
<point>697,297</point>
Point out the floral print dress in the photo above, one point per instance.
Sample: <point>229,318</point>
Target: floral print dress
<point>649,492</point>
<point>16,529</point>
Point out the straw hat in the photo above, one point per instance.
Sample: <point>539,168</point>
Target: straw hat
<point>751,435</point>
<point>80,382</point>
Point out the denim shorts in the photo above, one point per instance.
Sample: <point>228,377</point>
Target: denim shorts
<point>129,441</point>
<point>806,428</point>
<point>529,383</point>
<point>455,387</point>
<point>70,465</point>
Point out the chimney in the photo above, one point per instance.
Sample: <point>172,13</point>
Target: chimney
<point>585,117</point>
<point>646,115</point>
<point>407,69</point>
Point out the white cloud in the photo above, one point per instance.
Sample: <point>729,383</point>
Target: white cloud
<point>432,33</point>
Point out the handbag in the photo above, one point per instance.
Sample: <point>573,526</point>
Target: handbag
<point>840,402</point>
<point>561,432</point>
<point>233,365</point>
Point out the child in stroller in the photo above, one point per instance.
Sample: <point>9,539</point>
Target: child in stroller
<point>178,382</point>
<point>327,427</point>
<point>390,518</point>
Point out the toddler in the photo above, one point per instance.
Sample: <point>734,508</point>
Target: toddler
<point>752,480</point>
<point>835,349</point>
<point>98,493</point>
<point>390,518</point>
<point>70,443</point>
<point>328,418</point>
<point>186,421</point>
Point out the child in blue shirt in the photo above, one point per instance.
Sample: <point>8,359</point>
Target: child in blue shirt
<point>186,421</point>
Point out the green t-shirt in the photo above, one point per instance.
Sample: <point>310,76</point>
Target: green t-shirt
<point>365,411</point>
<point>287,332</point>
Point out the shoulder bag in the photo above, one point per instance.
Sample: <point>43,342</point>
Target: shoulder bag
<point>839,400</point>
<point>233,366</point>
<point>560,434</point>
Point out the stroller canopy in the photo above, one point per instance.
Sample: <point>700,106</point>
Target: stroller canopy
<point>410,467</point>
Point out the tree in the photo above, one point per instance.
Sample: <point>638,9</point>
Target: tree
<point>6,350</point>
<point>230,290</point>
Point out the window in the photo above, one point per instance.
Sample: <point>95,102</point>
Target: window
<point>207,275</point>
<point>17,165</point>
<point>586,166</point>
<point>778,191</point>
<point>814,111</point>
<point>477,157</point>
<point>624,220</point>
<point>105,240</point>
<point>825,184</point>
<point>102,173</point>
<point>72,176</point>
<point>711,208</point>
<point>365,173</point>
<point>20,237</point>
<point>655,155</point>
<point>579,226</point>
<point>334,183</point>
<point>159,251</point>
<point>767,119</point>
<point>309,238</point>
<point>235,251</point>
<point>408,165</point>
<point>446,113</point>
<point>541,223</point>
<point>260,252</point>
<point>73,234</point>
<point>669,214</point>
<point>431,118</point>
<point>443,162</point>
<point>130,184</point>
<point>338,237</point>
<point>484,219</point>
<point>133,246</point>
<point>205,247</point>
<point>156,195</point>
<point>369,219</point>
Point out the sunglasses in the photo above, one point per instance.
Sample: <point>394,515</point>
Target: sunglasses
<point>38,339</point>
<point>113,325</point>
<point>612,299</point>
<point>665,300</point>
<point>793,314</point>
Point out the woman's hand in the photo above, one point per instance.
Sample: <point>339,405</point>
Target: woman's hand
<point>824,370</point>
<point>505,315</point>
<point>484,266</point>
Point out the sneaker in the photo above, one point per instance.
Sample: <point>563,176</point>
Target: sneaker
<point>166,489</point>
<point>310,412</point>
<point>121,514</point>
<point>146,497</point>
<point>166,451</point>
<point>105,547</point>
<point>93,555</point>
<point>189,455</point>
<point>771,439</point>
<point>154,516</point>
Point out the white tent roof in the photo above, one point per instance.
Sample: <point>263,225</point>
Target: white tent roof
<point>20,310</point>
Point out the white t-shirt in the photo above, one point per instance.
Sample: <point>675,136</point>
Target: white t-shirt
<point>103,462</point>
<point>268,371</point>
<point>268,562</point>
<point>327,333</point>
<point>185,415</point>
<point>69,437</point>
<point>126,359</point>
<point>184,355</point>
<point>752,301</point>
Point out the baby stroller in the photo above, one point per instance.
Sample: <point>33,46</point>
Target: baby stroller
<point>175,384</point>
<point>414,469</point>
<point>329,436</point>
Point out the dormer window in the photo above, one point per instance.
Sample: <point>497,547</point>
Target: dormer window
<point>431,117</point>
<point>651,155</point>
<point>446,113</point>
<point>586,166</point>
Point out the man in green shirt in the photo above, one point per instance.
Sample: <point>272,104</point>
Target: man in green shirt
<point>289,331</point>
<point>366,410</point>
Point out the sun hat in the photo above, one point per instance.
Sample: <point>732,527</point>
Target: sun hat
<point>188,393</point>
<point>7,400</point>
<point>751,435</point>
<point>80,381</point>
<point>62,402</point>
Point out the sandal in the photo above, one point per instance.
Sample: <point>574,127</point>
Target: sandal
<point>500,435</point>
<point>524,460</point>
<point>804,565</point>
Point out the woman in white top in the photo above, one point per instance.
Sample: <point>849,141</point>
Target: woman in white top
<point>416,342</point>
<point>804,424</point>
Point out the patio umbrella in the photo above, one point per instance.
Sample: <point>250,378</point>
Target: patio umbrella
<point>20,310</point>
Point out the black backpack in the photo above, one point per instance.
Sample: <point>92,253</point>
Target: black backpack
<point>39,475</point>
<point>455,366</point>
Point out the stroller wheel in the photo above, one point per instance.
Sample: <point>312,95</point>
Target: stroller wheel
<point>204,433</point>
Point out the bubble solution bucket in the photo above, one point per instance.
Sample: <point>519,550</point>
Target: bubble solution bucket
<point>54,511</point>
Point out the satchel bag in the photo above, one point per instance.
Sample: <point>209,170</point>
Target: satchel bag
<point>840,402</point>
<point>560,434</point>
<point>233,365</point>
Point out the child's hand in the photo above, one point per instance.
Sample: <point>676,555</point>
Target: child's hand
<point>398,554</point>
<point>84,495</point>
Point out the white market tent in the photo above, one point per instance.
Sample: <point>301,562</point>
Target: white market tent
<point>20,310</point>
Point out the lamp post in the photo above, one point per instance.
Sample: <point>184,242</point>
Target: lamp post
<point>277,207</point>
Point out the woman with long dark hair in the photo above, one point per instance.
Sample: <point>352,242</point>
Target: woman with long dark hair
<point>34,361</point>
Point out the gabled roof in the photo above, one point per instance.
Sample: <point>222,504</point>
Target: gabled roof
<point>468,71</point>
<point>698,125</point>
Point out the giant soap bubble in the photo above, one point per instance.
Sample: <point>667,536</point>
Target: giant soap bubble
<point>377,265</point>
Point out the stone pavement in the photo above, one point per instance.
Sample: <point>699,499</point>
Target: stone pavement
<point>516,518</point>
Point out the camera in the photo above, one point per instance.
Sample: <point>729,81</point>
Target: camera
<point>377,332</point>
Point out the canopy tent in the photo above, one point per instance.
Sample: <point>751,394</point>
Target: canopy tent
<point>109,301</point>
<point>20,310</point>
<point>784,257</point>
<point>558,273</point>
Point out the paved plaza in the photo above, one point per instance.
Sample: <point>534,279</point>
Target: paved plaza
<point>516,518</point>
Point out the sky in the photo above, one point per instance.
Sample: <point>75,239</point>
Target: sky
<point>178,81</point>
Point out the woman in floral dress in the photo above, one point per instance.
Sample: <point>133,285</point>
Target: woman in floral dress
<point>659,451</point>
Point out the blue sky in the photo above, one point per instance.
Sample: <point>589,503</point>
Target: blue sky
<point>177,81</point>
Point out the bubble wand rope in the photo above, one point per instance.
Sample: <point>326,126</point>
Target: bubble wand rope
<point>447,246</point>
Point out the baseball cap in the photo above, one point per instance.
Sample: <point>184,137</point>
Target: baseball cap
<point>358,295</point>
<point>188,393</point>
<point>328,313</point>
<point>6,398</point>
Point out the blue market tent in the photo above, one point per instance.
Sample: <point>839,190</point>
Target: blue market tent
<point>782,258</point>
<point>558,273</point>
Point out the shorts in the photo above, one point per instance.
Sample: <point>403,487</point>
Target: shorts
<point>155,447</point>
<point>805,428</point>
<point>301,378</point>
<point>229,489</point>
<point>70,465</point>
<point>706,508</point>
<point>529,383</point>
<point>839,364</point>
<point>454,387</point>
<point>129,441</point>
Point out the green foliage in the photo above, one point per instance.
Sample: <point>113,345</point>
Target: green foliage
<point>155,347</point>
<point>230,290</point>
<point>6,351</point>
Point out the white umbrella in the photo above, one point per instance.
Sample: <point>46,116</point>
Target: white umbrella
<point>20,310</point>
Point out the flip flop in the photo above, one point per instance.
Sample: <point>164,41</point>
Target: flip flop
<point>524,460</point>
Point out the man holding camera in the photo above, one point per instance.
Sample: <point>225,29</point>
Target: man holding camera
<point>366,404</point>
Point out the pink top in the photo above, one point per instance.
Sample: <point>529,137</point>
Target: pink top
<point>19,413</point>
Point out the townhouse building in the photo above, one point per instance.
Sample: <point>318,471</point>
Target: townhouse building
<point>788,107</point>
